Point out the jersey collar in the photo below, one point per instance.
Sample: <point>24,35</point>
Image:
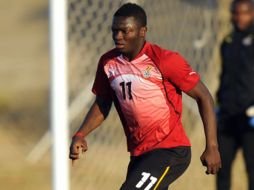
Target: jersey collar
<point>143,50</point>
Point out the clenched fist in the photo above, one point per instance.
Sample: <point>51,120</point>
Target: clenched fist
<point>211,160</point>
<point>78,145</point>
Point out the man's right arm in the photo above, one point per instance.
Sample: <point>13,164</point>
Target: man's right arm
<point>96,115</point>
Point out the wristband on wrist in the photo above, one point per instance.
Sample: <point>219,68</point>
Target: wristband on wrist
<point>79,134</point>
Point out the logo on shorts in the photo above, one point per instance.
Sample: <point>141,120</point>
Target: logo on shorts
<point>147,72</point>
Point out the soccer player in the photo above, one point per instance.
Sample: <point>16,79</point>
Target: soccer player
<point>236,94</point>
<point>145,82</point>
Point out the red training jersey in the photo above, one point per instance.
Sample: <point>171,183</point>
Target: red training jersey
<point>147,95</point>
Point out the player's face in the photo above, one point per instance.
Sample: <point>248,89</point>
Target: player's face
<point>127,34</point>
<point>242,16</point>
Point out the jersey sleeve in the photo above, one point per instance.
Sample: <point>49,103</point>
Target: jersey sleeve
<point>176,69</point>
<point>101,86</point>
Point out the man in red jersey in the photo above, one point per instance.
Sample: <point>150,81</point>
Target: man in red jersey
<point>145,83</point>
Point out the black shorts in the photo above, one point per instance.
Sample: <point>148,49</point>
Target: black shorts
<point>157,169</point>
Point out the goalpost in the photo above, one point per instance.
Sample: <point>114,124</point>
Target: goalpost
<point>59,94</point>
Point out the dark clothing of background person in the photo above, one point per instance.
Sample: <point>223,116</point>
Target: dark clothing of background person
<point>235,96</point>
<point>236,91</point>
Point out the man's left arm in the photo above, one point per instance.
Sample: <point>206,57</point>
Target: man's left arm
<point>211,156</point>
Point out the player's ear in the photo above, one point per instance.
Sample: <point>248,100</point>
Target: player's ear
<point>143,31</point>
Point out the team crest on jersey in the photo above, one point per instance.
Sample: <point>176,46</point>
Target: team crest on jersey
<point>147,72</point>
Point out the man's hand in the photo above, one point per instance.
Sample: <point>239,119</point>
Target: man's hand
<point>96,115</point>
<point>78,145</point>
<point>211,159</point>
<point>211,156</point>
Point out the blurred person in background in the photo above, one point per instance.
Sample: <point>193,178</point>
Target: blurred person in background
<point>236,94</point>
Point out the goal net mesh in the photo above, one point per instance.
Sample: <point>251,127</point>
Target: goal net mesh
<point>192,27</point>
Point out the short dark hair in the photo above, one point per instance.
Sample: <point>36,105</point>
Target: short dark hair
<point>132,10</point>
<point>236,2</point>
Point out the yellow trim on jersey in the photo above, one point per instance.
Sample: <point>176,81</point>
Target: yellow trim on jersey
<point>161,178</point>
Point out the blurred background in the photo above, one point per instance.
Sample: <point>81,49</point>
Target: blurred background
<point>195,28</point>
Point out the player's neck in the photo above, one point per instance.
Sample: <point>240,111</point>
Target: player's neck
<point>133,55</point>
